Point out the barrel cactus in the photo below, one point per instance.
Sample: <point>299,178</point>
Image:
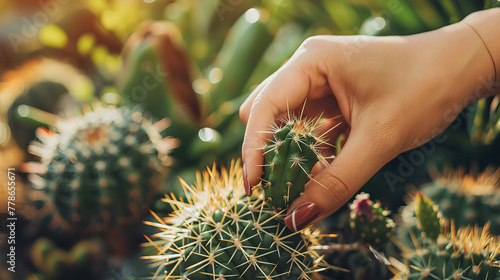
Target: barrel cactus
<point>97,170</point>
<point>289,160</point>
<point>219,233</point>
<point>467,198</point>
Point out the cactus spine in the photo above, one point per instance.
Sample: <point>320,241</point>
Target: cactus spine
<point>98,170</point>
<point>220,234</point>
<point>289,160</point>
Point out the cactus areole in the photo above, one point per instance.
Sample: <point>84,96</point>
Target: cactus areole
<point>289,160</point>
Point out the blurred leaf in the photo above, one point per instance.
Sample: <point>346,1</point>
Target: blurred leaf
<point>54,36</point>
<point>85,43</point>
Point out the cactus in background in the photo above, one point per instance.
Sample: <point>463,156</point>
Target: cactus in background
<point>470,253</point>
<point>98,170</point>
<point>468,199</point>
<point>289,160</point>
<point>370,222</point>
<point>485,125</point>
<point>363,224</point>
<point>220,233</point>
<point>85,260</point>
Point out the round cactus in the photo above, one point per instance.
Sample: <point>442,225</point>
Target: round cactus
<point>98,170</point>
<point>428,217</point>
<point>218,233</point>
<point>289,160</point>
<point>471,253</point>
<point>468,199</point>
<point>370,222</point>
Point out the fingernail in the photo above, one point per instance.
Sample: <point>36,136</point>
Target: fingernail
<point>302,216</point>
<point>248,190</point>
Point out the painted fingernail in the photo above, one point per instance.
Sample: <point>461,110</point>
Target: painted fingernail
<point>248,190</point>
<point>302,216</point>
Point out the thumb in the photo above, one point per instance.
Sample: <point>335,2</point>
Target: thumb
<point>360,158</point>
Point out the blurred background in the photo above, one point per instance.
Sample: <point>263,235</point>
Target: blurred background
<point>194,62</point>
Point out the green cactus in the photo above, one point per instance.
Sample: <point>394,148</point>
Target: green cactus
<point>470,253</point>
<point>289,160</point>
<point>466,198</point>
<point>85,260</point>
<point>98,170</point>
<point>218,233</point>
<point>428,217</point>
<point>370,222</point>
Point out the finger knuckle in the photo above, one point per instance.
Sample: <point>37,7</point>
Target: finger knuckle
<point>337,186</point>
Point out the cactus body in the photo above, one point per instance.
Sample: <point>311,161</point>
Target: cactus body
<point>98,170</point>
<point>289,160</point>
<point>370,222</point>
<point>218,233</point>
<point>471,253</point>
<point>466,198</point>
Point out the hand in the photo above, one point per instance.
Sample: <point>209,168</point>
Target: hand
<point>394,94</point>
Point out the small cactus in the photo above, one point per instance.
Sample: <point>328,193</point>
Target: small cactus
<point>428,217</point>
<point>98,170</point>
<point>370,222</point>
<point>289,160</point>
<point>218,233</point>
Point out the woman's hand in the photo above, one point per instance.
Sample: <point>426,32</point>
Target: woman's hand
<point>394,94</point>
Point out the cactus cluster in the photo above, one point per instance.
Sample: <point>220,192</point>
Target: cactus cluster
<point>445,253</point>
<point>370,222</point>
<point>289,160</point>
<point>218,233</point>
<point>470,253</point>
<point>97,170</point>
<point>85,260</point>
<point>466,198</point>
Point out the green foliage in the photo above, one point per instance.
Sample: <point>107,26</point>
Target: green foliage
<point>85,260</point>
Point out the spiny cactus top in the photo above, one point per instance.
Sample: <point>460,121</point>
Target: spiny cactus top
<point>98,169</point>
<point>370,222</point>
<point>470,253</point>
<point>467,198</point>
<point>289,160</point>
<point>220,234</point>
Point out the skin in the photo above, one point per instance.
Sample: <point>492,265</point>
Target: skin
<point>393,93</point>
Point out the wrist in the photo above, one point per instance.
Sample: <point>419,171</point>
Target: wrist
<point>484,23</point>
<point>461,62</point>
